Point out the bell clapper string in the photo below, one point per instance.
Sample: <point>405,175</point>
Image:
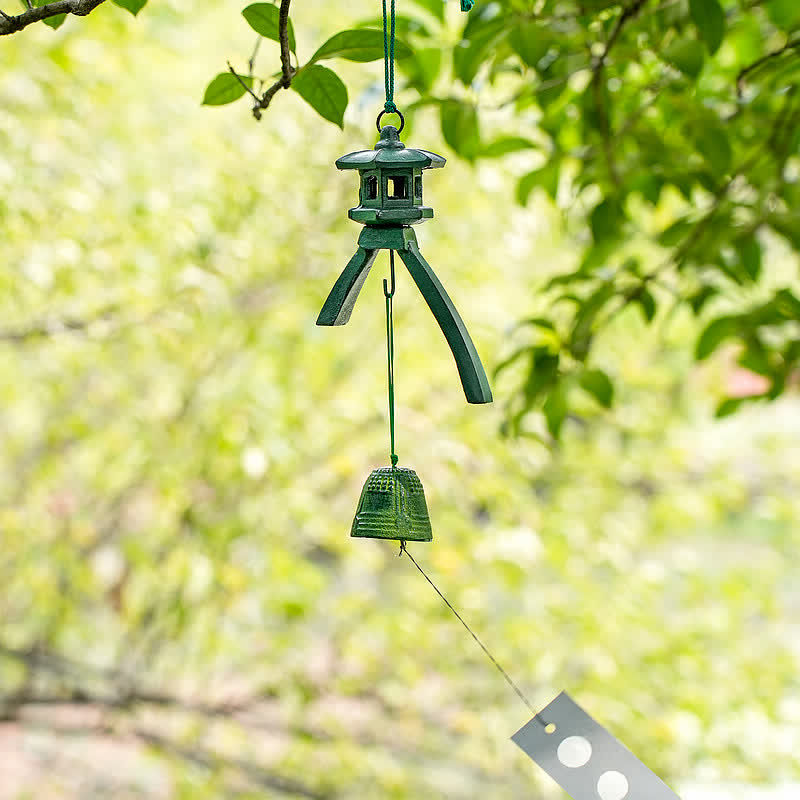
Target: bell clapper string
<point>483,647</point>
<point>388,292</point>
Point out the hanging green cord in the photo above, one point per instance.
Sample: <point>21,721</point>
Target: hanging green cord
<point>388,59</point>
<point>389,294</point>
<point>388,52</point>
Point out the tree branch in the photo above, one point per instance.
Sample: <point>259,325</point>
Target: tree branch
<point>287,71</point>
<point>597,86</point>
<point>47,328</point>
<point>80,8</point>
<point>745,71</point>
<point>252,773</point>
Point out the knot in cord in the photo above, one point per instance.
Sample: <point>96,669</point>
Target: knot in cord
<point>389,107</point>
<point>466,5</point>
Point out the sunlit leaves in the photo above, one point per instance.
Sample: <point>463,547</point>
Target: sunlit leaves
<point>555,408</point>
<point>435,7</point>
<point>784,13</point>
<point>606,220</point>
<point>460,128</point>
<point>134,6</point>
<point>507,144</point>
<point>545,177</point>
<point>713,143</point>
<point>686,55</point>
<point>263,18</point>
<point>480,42</point>
<point>599,385</point>
<point>531,41</point>
<point>225,88</point>
<point>324,91</point>
<point>710,20</point>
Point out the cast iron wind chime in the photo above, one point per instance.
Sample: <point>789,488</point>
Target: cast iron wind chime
<point>575,750</point>
<point>392,504</point>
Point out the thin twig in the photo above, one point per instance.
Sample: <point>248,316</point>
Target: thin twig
<point>80,8</point>
<point>758,63</point>
<point>252,62</point>
<point>243,82</point>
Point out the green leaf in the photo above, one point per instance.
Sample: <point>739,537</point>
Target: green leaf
<point>686,55</point>
<point>224,89</point>
<point>729,406</point>
<point>422,68</point>
<point>555,408</point>
<point>784,13</point>
<point>480,42</point>
<point>675,233</point>
<point>323,90</point>
<point>701,297</point>
<point>134,6</point>
<point>581,336</point>
<point>507,144</point>
<point>543,372</point>
<point>714,334</point>
<point>531,41</point>
<point>787,225</point>
<point>435,7</point>
<point>710,20</point>
<point>712,141</point>
<point>749,252</point>
<point>263,18</point>
<point>644,297</point>
<point>460,128</point>
<point>546,177</point>
<point>599,385</point>
<point>56,21</point>
<point>606,220</point>
<point>359,44</point>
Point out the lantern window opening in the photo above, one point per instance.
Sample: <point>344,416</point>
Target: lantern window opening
<point>418,188</point>
<point>397,187</point>
<point>371,187</point>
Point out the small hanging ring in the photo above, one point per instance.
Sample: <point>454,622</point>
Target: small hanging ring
<point>396,111</point>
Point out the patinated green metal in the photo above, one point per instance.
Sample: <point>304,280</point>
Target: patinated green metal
<point>390,200</point>
<point>392,506</point>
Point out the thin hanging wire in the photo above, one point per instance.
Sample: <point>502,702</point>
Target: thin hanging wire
<point>483,647</point>
<point>389,295</point>
<point>388,58</point>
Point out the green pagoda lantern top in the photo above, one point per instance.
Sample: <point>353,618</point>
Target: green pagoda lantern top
<point>391,181</point>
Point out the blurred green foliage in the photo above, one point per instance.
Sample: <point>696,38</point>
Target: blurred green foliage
<point>182,613</point>
<point>668,133</point>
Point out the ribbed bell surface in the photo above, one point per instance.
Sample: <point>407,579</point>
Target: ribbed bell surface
<point>392,506</point>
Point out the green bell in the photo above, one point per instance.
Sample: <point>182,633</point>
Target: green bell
<point>392,506</point>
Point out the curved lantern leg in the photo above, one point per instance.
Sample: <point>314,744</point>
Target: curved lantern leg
<point>470,369</point>
<point>339,305</point>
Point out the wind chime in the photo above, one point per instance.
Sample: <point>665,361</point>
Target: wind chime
<point>575,750</point>
<point>392,504</point>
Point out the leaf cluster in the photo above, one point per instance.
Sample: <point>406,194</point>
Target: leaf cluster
<point>667,133</point>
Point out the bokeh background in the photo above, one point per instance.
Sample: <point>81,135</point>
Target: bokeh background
<point>182,611</point>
